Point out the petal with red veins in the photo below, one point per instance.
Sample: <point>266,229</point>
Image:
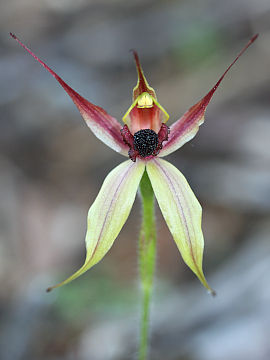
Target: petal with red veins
<point>184,129</point>
<point>109,213</point>
<point>105,127</point>
<point>182,213</point>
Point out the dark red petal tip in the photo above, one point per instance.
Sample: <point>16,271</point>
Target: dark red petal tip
<point>104,126</point>
<point>137,60</point>
<point>211,92</point>
<point>142,84</point>
<point>186,127</point>
<point>141,79</point>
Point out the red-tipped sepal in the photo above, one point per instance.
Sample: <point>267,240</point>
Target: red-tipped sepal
<point>104,126</point>
<point>142,84</point>
<point>184,129</point>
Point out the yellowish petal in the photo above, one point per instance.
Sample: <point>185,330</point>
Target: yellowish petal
<point>109,212</point>
<point>182,213</point>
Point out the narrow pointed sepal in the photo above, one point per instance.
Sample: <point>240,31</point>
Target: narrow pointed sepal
<point>182,213</point>
<point>184,129</point>
<point>142,84</point>
<point>104,126</point>
<point>145,111</point>
<point>109,212</point>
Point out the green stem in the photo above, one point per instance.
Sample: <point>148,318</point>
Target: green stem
<point>147,258</point>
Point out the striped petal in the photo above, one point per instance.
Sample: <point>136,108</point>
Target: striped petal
<point>109,212</point>
<point>182,213</point>
<point>184,129</point>
<point>105,127</point>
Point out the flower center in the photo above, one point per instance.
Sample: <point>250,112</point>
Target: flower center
<point>145,142</point>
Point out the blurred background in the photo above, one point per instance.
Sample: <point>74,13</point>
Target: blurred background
<point>52,167</point>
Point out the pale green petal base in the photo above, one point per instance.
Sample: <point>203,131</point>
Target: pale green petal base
<point>182,213</point>
<point>109,213</point>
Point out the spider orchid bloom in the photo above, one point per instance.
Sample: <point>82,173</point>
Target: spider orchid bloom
<point>145,138</point>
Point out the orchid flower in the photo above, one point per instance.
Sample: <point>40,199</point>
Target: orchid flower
<point>145,139</point>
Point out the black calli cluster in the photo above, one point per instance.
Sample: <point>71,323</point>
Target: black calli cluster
<point>145,142</point>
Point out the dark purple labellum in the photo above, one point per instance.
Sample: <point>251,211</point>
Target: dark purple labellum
<point>145,142</point>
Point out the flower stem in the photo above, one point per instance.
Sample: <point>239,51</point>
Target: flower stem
<point>147,257</point>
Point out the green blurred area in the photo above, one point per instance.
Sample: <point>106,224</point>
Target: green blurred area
<point>106,297</point>
<point>200,43</point>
